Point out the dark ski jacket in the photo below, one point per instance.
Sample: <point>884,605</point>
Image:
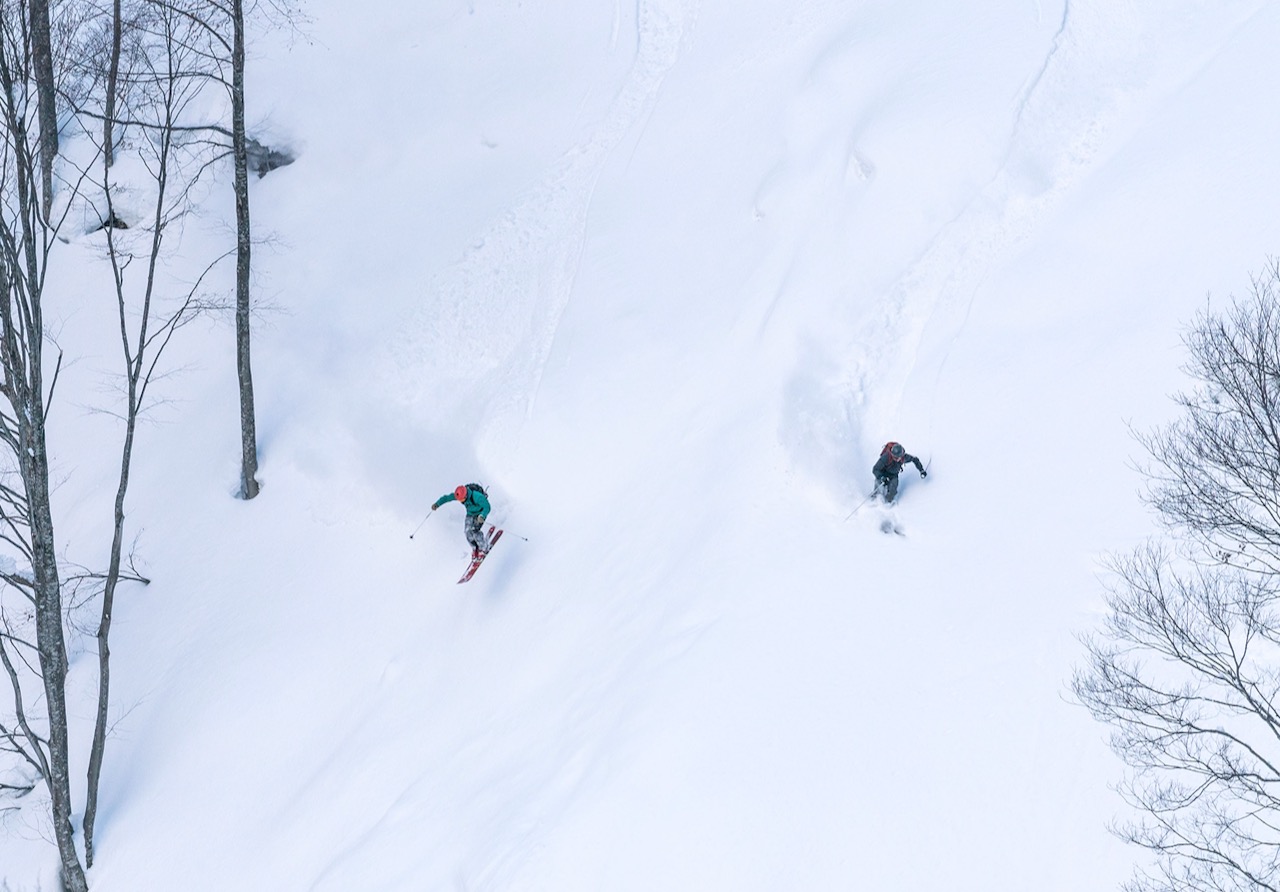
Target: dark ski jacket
<point>477,503</point>
<point>888,466</point>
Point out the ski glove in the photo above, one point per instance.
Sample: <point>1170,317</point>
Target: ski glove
<point>924,474</point>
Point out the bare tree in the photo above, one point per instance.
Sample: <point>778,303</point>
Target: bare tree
<point>1186,668</point>
<point>214,44</point>
<point>25,240</point>
<point>132,73</point>
<point>153,92</point>
<point>220,35</point>
<point>244,247</point>
<point>1216,471</point>
<point>161,92</point>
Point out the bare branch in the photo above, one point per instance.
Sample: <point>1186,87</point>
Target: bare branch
<point>1186,667</point>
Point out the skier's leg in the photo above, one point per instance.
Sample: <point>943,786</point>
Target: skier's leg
<point>891,487</point>
<point>475,533</point>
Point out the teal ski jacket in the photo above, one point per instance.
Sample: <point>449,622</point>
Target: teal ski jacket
<point>477,503</point>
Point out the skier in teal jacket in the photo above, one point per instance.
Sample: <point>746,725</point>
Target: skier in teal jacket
<point>473,498</point>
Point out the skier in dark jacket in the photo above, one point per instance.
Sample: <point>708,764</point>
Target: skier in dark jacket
<point>473,498</point>
<point>892,459</point>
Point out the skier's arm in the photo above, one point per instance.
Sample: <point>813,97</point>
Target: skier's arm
<point>447,497</point>
<point>915,461</point>
<point>482,501</point>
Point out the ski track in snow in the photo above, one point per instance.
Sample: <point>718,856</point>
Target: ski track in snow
<point>534,781</point>
<point>495,329</point>
<point>487,326</point>
<point>1056,139</point>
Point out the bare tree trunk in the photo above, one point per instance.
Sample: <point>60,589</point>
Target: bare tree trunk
<point>104,632</point>
<point>24,241</point>
<point>42,59</point>
<point>50,639</point>
<point>144,335</point>
<point>136,377</point>
<point>104,628</point>
<point>113,75</point>
<point>51,644</point>
<point>244,370</point>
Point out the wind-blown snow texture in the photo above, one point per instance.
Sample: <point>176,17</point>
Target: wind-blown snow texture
<point>665,275</point>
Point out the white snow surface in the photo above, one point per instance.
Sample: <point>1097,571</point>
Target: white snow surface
<point>664,275</point>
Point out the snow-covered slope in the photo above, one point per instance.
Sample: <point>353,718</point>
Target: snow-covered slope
<point>665,276</point>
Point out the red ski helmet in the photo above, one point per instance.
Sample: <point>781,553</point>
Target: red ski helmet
<point>460,493</point>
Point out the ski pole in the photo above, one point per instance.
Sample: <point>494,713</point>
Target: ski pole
<point>419,526</point>
<point>513,533</point>
<point>860,504</point>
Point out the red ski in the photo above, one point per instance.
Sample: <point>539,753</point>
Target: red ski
<point>494,536</point>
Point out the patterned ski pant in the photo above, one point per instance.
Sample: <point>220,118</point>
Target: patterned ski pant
<point>474,526</point>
